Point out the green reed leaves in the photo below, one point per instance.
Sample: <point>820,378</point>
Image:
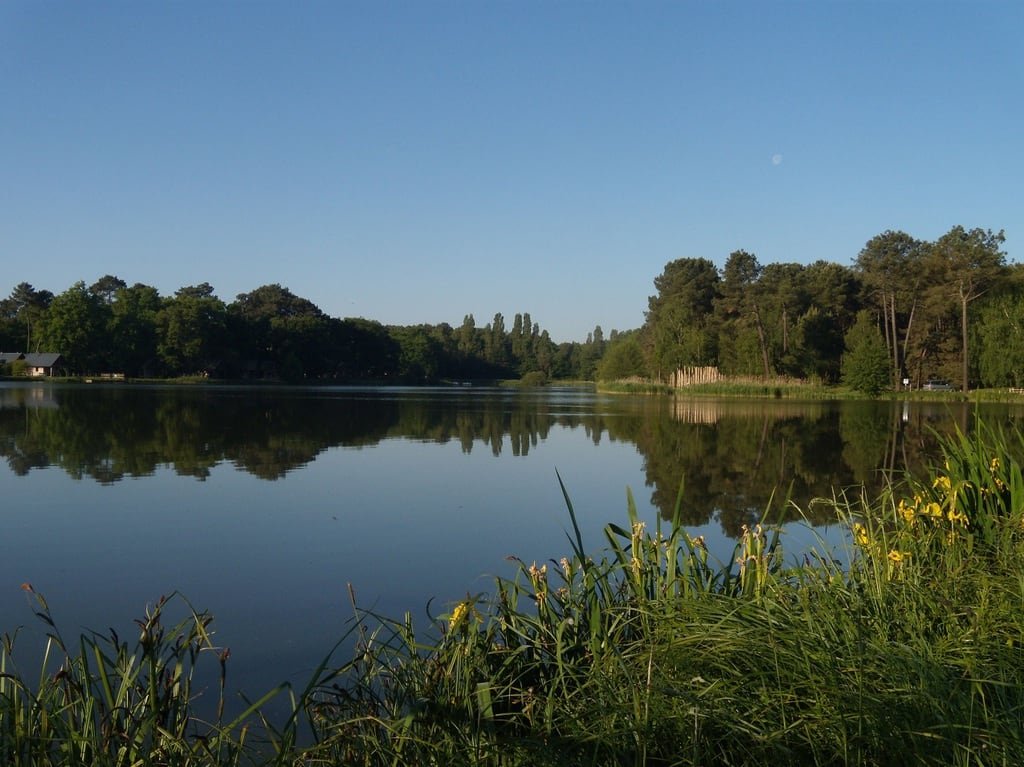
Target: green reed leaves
<point>104,702</point>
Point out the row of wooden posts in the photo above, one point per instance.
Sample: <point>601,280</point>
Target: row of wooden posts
<point>694,376</point>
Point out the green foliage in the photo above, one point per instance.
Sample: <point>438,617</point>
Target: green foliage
<point>133,330</point>
<point>533,378</point>
<point>678,318</point>
<point>999,341</point>
<point>866,363</point>
<point>624,358</point>
<point>891,267</point>
<point>74,325</point>
<point>192,328</point>
<point>419,354</point>
<point>102,702</point>
<point>964,265</point>
<point>280,333</point>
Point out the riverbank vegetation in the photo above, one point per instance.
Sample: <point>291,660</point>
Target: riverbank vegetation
<point>908,310</point>
<point>906,646</point>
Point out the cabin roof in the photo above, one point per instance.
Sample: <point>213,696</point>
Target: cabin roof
<point>42,359</point>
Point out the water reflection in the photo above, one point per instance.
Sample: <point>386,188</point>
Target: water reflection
<point>730,456</point>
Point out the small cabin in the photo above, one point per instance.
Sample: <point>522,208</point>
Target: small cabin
<point>42,363</point>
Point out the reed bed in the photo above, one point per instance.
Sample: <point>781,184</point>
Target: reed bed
<point>905,648</point>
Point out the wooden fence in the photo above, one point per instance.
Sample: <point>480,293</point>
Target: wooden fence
<point>694,376</point>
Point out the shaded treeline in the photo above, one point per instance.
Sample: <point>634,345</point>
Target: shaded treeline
<point>269,333</point>
<point>730,456</point>
<point>906,310</point>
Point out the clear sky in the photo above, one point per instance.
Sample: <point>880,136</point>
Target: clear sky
<point>417,161</point>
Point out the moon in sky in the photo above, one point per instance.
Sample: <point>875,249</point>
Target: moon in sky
<point>776,159</point>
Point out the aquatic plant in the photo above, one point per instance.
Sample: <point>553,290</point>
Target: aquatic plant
<point>103,701</point>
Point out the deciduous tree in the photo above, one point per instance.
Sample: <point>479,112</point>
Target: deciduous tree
<point>75,327</point>
<point>132,329</point>
<point>191,330</point>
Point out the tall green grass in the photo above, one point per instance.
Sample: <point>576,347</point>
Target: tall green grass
<point>103,701</point>
<point>652,654</point>
<point>903,647</point>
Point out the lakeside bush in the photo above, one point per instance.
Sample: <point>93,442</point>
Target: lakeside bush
<point>906,646</point>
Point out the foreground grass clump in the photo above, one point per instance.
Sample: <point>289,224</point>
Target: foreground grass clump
<point>104,702</point>
<point>909,651</point>
<point>653,655</point>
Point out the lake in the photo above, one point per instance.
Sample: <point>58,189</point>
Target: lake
<point>262,504</point>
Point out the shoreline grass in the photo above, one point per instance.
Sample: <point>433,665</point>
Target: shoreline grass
<point>646,652</point>
<point>788,389</point>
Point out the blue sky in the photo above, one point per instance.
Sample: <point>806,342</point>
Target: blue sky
<point>415,162</point>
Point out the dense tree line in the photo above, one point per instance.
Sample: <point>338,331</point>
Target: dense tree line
<point>907,310</point>
<point>270,333</point>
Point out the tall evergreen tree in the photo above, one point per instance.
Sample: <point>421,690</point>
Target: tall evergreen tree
<point>866,362</point>
<point>890,265</point>
<point>741,297</point>
<point>678,325</point>
<point>967,264</point>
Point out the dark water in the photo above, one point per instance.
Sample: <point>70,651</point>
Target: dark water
<point>263,504</point>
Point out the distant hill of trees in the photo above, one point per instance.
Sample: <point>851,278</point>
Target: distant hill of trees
<point>906,310</point>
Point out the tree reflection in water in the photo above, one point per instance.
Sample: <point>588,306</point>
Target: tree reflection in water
<point>732,457</point>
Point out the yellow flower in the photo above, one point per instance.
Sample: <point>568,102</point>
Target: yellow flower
<point>459,614</point>
<point>957,515</point>
<point>907,512</point>
<point>898,556</point>
<point>942,483</point>
<point>860,535</point>
<point>994,465</point>
<point>933,509</point>
<point>464,612</point>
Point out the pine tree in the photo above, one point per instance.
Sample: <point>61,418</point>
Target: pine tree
<point>866,362</point>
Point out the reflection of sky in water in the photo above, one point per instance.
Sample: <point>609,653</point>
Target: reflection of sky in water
<point>402,521</point>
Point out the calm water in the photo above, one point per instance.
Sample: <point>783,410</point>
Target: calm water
<point>261,505</point>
